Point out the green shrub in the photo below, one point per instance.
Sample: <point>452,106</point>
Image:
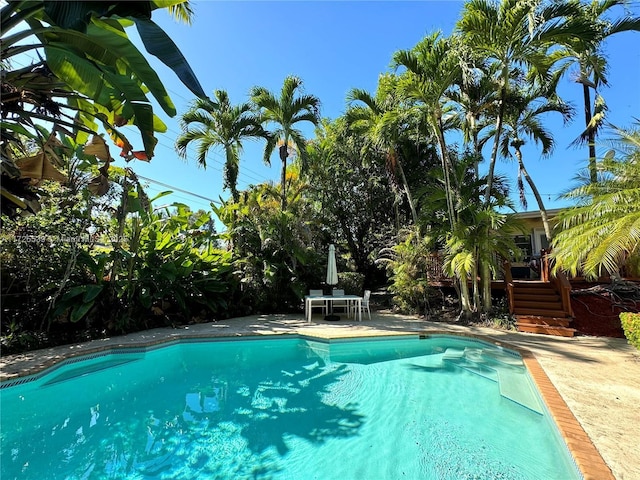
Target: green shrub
<point>631,326</point>
<point>351,282</point>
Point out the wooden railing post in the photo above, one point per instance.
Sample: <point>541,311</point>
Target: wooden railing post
<point>559,280</point>
<point>508,283</point>
<point>545,267</point>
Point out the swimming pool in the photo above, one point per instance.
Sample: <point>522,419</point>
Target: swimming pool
<point>439,407</point>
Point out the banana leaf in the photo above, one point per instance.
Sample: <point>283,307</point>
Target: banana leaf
<point>158,43</point>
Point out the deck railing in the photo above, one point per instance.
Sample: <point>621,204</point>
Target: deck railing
<point>559,280</point>
<point>508,284</point>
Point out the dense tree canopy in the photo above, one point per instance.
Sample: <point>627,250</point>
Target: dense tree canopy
<point>395,180</point>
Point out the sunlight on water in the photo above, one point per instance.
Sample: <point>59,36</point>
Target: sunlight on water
<point>437,408</point>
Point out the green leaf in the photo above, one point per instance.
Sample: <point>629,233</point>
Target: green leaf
<point>115,41</point>
<point>16,127</point>
<point>78,73</point>
<point>74,292</point>
<point>145,298</point>
<point>79,312</point>
<point>160,195</point>
<point>158,43</point>
<point>92,291</point>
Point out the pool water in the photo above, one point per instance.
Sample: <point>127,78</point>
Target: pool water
<point>294,408</point>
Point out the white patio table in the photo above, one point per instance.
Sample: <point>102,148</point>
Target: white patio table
<point>309,299</point>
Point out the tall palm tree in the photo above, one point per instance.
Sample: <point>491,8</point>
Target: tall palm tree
<point>218,123</point>
<point>284,113</point>
<point>603,231</point>
<point>433,68</point>
<point>377,118</point>
<point>527,107</point>
<point>517,34</point>
<point>592,66</point>
<point>474,101</point>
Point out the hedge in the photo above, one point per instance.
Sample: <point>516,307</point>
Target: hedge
<point>631,326</point>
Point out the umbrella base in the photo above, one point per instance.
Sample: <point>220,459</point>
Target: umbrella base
<point>332,318</point>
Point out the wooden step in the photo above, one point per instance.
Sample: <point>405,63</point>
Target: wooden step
<point>527,297</point>
<point>540,304</point>
<point>540,312</point>
<point>547,330</point>
<point>548,321</point>
<point>534,291</point>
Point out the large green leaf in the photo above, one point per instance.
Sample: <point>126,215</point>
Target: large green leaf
<point>108,46</point>
<point>104,87</point>
<point>116,41</point>
<point>80,74</point>
<point>80,311</point>
<point>143,112</point>
<point>76,14</point>
<point>92,292</point>
<point>158,43</point>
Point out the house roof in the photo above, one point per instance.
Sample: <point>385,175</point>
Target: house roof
<point>553,212</point>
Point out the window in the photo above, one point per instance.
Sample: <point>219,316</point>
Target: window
<point>523,242</point>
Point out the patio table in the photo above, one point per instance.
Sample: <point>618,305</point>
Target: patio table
<point>309,299</point>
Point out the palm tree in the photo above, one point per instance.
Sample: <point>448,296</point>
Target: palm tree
<point>603,231</point>
<point>377,118</point>
<point>474,100</point>
<point>523,119</point>
<point>513,36</point>
<point>218,123</point>
<point>517,34</point>
<point>433,69</point>
<point>592,67</point>
<point>284,112</point>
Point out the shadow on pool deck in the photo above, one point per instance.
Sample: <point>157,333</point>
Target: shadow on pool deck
<point>598,377</point>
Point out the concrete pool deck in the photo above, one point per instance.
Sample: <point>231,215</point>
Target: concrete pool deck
<point>597,378</point>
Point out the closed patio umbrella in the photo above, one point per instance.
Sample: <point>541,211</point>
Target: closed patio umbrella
<point>332,275</point>
<point>332,270</point>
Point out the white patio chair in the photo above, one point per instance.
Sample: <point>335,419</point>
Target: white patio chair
<point>343,304</point>
<point>364,304</point>
<point>323,306</point>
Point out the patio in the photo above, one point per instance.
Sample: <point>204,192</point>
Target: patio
<point>598,378</point>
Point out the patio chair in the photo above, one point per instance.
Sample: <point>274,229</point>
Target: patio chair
<point>323,306</point>
<point>343,304</point>
<point>364,304</point>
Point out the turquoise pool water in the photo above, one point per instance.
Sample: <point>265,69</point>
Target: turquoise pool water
<point>293,408</point>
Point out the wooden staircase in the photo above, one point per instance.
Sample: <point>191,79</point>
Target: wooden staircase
<point>538,308</point>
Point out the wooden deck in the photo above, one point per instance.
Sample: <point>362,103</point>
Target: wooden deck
<point>539,305</point>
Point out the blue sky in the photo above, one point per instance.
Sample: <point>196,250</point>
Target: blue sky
<point>334,46</point>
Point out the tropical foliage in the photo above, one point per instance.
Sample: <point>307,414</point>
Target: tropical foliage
<point>602,234</point>
<point>90,77</point>
<point>394,182</point>
<point>282,114</point>
<point>218,123</point>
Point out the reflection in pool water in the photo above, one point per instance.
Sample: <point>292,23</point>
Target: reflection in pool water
<point>435,408</point>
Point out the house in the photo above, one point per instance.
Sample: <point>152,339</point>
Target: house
<point>531,243</point>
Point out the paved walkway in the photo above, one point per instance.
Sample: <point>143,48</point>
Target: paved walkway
<point>598,378</point>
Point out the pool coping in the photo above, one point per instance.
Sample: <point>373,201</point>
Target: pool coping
<point>584,453</point>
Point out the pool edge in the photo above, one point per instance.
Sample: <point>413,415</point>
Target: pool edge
<point>583,451</point>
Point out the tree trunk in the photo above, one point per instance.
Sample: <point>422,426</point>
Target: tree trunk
<point>591,135</point>
<point>543,211</point>
<point>284,153</point>
<point>465,300</point>
<point>494,150</point>
<point>485,277</point>
<point>445,170</point>
<point>476,285</point>
<point>405,185</point>
<point>485,270</point>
